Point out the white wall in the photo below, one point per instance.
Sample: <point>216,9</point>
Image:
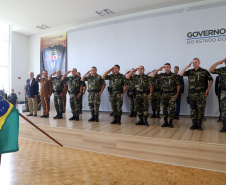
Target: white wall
<point>148,41</point>
<point>19,63</point>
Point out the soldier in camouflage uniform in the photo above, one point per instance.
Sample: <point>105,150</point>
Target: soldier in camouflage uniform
<point>83,91</point>
<point>110,92</point>
<point>75,92</point>
<point>143,94</point>
<point>118,81</point>
<point>198,78</point>
<point>58,91</point>
<point>155,96</point>
<point>222,80</point>
<point>131,93</point>
<point>170,87</point>
<point>96,86</point>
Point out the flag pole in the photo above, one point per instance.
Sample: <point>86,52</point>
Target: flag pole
<point>39,130</point>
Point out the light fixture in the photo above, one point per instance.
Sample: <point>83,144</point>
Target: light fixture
<point>100,12</point>
<point>43,27</point>
<point>104,12</point>
<point>109,12</point>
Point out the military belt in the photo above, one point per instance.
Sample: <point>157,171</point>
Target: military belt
<point>156,90</point>
<point>142,92</point>
<point>168,92</point>
<point>196,91</point>
<point>94,90</point>
<point>58,92</point>
<point>117,90</point>
<point>74,92</point>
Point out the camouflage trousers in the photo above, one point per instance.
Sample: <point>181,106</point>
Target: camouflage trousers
<point>131,95</point>
<point>223,105</point>
<point>142,104</point>
<point>94,103</point>
<point>197,105</point>
<point>75,104</point>
<point>58,102</point>
<point>116,103</point>
<point>167,101</point>
<point>81,98</point>
<point>155,101</point>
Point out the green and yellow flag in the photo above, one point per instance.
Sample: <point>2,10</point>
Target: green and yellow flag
<point>9,127</point>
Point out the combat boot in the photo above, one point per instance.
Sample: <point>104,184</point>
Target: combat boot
<point>96,118</point>
<point>115,120</point>
<point>92,118</point>
<point>165,124</point>
<point>140,122</point>
<point>131,114</point>
<point>73,117</point>
<point>76,117</point>
<point>199,124</point>
<point>60,115</point>
<point>194,124</point>
<point>153,115</point>
<point>119,120</point>
<point>111,114</point>
<point>171,123</point>
<point>158,115</point>
<point>56,115</point>
<point>224,127</point>
<point>135,114</point>
<point>145,121</point>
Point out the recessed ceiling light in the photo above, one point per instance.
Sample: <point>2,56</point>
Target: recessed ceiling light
<point>43,27</point>
<point>100,12</point>
<point>108,11</point>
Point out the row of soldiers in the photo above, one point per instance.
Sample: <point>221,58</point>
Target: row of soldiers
<point>144,88</point>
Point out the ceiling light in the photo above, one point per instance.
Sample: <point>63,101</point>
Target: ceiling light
<point>100,12</point>
<point>108,11</point>
<point>43,27</point>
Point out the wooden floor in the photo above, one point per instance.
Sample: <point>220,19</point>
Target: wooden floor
<point>178,146</point>
<point>210,133</point>
<point>46,164</point>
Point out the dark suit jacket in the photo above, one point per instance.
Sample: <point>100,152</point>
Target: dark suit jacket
<point>217,87</point>
<point>32,90</point>
<point>181,79</point>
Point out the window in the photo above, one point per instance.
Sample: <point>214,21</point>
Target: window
<point>4,57</point>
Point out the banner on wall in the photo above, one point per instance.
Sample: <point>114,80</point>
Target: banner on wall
<point>53,53</point>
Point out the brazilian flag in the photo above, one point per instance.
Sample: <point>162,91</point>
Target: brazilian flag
<point>9,127</point>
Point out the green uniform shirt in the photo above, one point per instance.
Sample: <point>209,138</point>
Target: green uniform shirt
<point>169,82</point>
<point>131,83</point>
<point>222,77</point>
<point>198,80</point>
<point>117,81</point>
<point>94,82</point>
<point>156,82</point>
<point>142,83</point>
<point>58,84</point>
<point>74,83</point>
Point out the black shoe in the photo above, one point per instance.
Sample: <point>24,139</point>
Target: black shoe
<point>131,114</point>
<point>96,118</point>
<point>219,120</point>
<point>199,124</point>
<point>30,115</point>
<point>111,114</point>
<point>165,124</point>
<point>92,118</point>
<point>204,119</point>
<point>43,116</point>
<point>72,118</point>
<point>35,115</point>
<point>224,127</point>
<point>135,114</point>
<point>153,115</point>
<point>60,115</point>
<point>76,117</point>
<point>171,123</point>
<point>56,115</point>
<point>158,115</point>
<point>176,117</point>
<point>115,120</point>
<point>119,120</point>
<point>145,121</point>
<point>80,111</point>
<point>46,116</point>
<point>194,124</point>
<point>140,122</point>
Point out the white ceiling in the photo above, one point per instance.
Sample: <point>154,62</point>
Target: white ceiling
<point>25,15</point>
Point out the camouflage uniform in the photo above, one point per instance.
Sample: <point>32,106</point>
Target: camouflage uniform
<point>12,98</point>
<point>156,96</point>
<point>74,84</point>
<point>58,86</point>
<point>169,83</point>
<point>222,82</point>
<point>117,82</point>
<point>84,85</point>
<point>198,81</point>
<point>94,87</point>
<point>131,93</point>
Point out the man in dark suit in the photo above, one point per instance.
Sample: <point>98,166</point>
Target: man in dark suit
<point>218,94</point>
<point>176,70</point>
<point>32,89</point>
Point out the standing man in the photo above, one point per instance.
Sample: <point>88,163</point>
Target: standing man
<point>96,86</point>
<point>58,90</point>
<point>32,89</point>
<point>45,92</point>
<point>170,87</point>
<point>176,70</point>
<point>84,86</point>
<point>143,94</point>
<point>75,92</point>
<point>218,94</point>
<point>131,92</point>
<point>64,97</point>
<point>222,80</point>
<point>198,78</point>
<point>118,81</point>
<point>12,98</point>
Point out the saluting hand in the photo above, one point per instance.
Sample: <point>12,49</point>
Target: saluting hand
<point>189,65</point>
<point>222,61</point>
<point>40,74</point>
<point>161,68</point>
<point>68,72</point>
<point>54,73</point>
